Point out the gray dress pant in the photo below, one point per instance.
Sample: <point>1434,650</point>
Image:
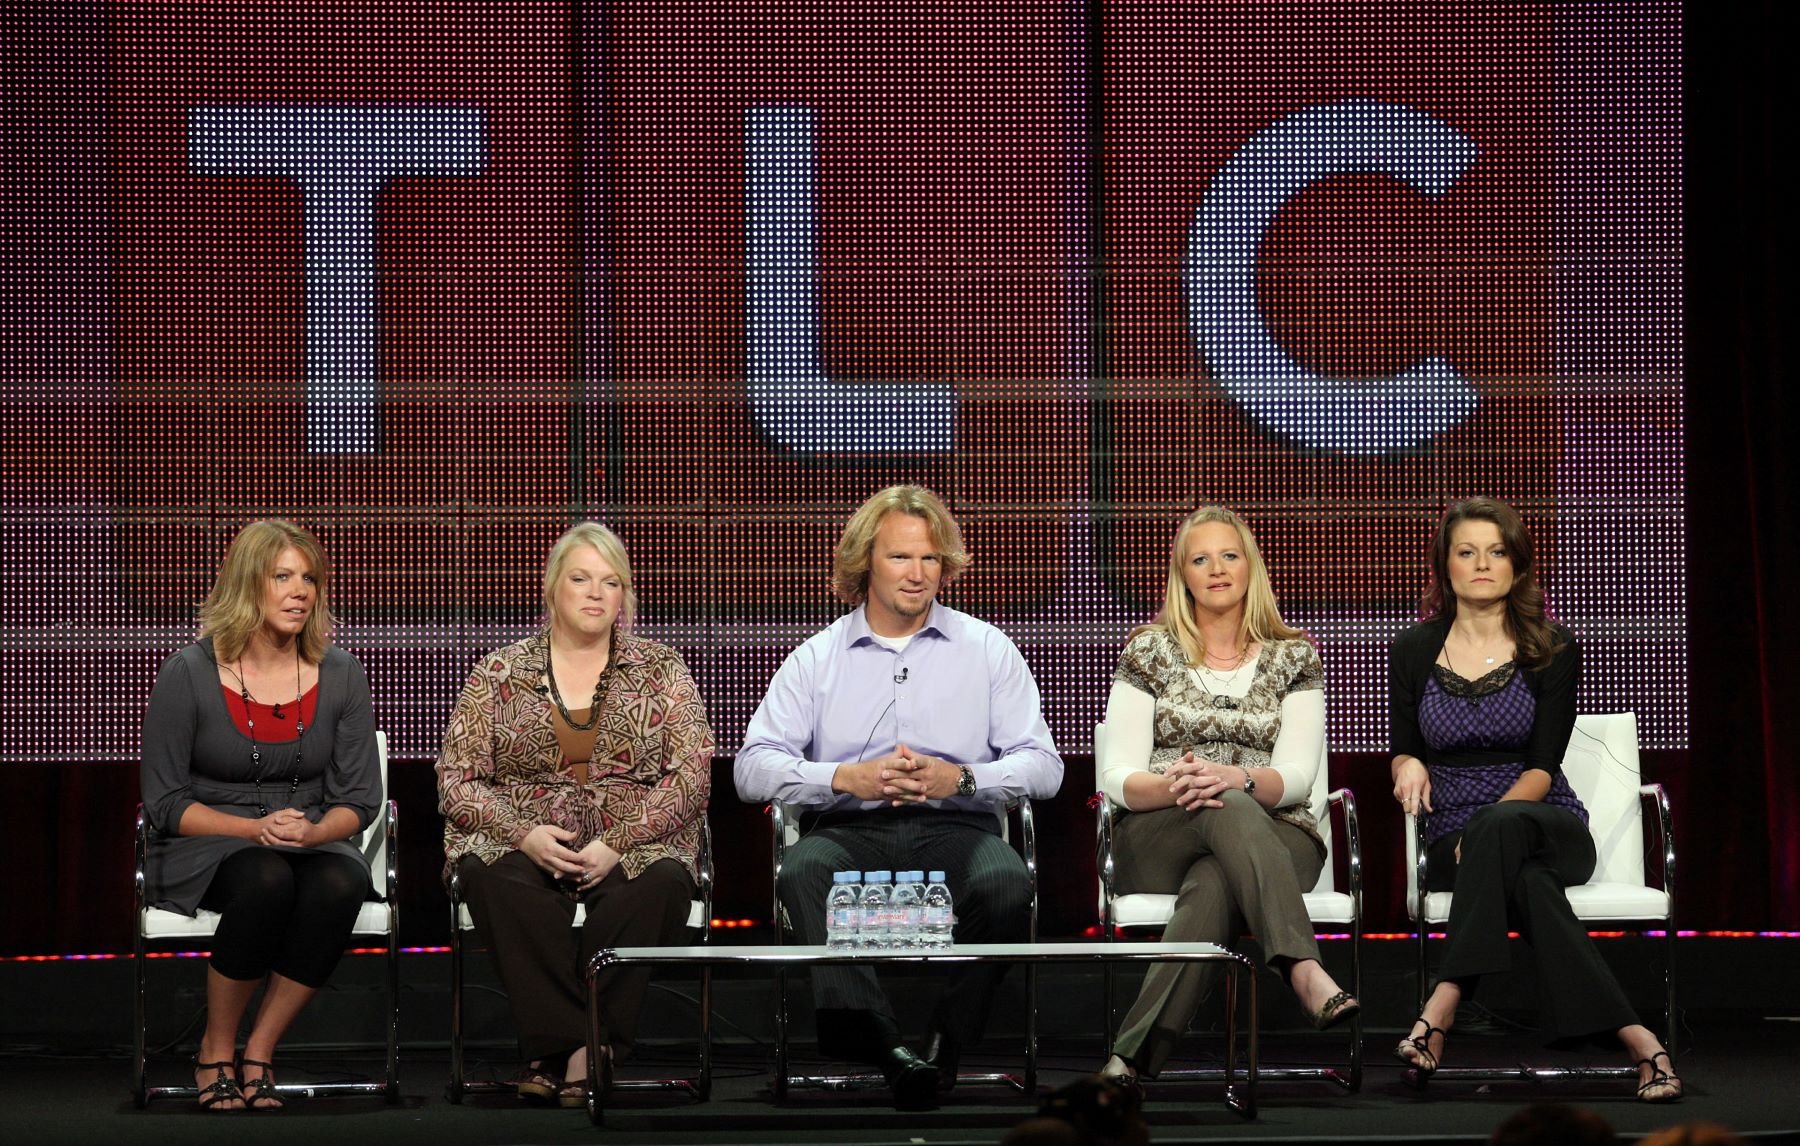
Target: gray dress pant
<point>1231,869</point>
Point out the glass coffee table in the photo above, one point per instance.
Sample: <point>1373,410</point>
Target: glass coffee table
<point>1240,1090</point>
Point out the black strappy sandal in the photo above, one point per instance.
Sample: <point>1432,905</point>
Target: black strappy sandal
<point>1427,1063</point>
<point>223,1088</point>
<point>260,1095</point>
<point>1659,1077</point>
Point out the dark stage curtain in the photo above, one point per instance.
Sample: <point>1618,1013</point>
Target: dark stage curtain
<point>1740,805</point>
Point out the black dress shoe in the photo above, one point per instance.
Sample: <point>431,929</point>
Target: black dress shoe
<point>913,1080</point>
<point>944,1053</point>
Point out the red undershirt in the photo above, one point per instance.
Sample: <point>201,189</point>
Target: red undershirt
<point>270,729</point>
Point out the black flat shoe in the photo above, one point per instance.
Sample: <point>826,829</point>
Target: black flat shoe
<point>913,1080</point>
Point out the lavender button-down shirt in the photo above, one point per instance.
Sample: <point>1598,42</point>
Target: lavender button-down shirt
<point>959,690</point>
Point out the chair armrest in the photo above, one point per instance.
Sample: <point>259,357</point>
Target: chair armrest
<point>1028,848</point>
<point>1658,798</point>
<point>391,829</point>
<point>141,854</point>
<point>1417,875</point>
<point>779,815</point>
<point>705,866</point>
<point>1103,859</point>
<point>1345,801</point>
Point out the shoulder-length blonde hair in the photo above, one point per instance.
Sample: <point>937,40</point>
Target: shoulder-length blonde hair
<point>1535,639</point>
<point>856,548</point>
<point>612,551</point>
<point>232,612</point>
<point>1262,617</point>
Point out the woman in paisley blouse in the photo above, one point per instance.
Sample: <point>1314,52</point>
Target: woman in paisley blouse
<point>1482,706</point>
<point>576,769</point>
<point>1215,727</point>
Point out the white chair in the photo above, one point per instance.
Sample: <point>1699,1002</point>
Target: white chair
<point>462,923</point>
<point>1601,763</point>
<point>1329,904</point>
<point>378,921</point>
<point>785,819</point>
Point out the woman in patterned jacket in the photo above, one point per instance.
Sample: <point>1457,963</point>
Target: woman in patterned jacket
<point>576,769</point>
<point>1215,727</point>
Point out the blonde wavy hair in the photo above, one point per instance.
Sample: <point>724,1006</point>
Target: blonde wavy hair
<point>856,548</point>
<point>232,613</point>
<point>612,551</point>
<point>1262,617</point>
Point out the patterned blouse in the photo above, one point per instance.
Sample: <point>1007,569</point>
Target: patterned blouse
<point>1188,719</point>
<point>502,773</point>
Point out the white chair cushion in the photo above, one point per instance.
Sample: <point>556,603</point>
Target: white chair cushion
<point>696,915</point>
<point>371,919</point>
<point>1148,910</point>
<point>1593,903</point>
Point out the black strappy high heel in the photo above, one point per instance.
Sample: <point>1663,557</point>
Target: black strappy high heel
<point>1426,1063</point>
<point>1659,1077</point>
<point>223,1087</point>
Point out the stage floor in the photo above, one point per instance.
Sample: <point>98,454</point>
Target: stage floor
<point>1739,1072</point>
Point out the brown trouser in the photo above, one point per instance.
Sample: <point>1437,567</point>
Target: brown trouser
<point>1231,869</point>
<point>528,924</point>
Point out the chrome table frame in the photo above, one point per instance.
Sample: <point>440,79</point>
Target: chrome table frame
<point>1240,1089</point>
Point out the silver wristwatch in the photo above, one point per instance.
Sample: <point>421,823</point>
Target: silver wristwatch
<point>1249,781</point>
<point>965,784</point>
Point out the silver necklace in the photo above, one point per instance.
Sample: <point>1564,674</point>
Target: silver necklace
<point>1219,683</point>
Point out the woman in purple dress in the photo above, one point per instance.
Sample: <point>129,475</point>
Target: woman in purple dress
<point>1482,706</point>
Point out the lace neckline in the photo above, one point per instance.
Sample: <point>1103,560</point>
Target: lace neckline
<point>1485,685</point>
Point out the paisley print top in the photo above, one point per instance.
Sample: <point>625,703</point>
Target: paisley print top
<point>501,772</point>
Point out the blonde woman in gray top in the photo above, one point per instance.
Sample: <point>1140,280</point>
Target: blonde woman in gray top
<point>259,766</point>
<point>1214,728</point>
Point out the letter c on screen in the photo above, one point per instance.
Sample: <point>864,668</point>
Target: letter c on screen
<point>1277,163</point>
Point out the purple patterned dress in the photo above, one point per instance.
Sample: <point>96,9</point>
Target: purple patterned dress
<point>1493,714</point>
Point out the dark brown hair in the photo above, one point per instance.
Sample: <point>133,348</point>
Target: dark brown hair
<point>1535,638</point>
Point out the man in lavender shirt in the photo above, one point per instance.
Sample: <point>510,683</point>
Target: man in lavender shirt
<point>902,729</point>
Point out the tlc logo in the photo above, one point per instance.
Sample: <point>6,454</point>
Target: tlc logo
<point>765,258</point>
<point>340,159</point>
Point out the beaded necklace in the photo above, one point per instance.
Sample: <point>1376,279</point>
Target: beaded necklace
<point>256,772</point>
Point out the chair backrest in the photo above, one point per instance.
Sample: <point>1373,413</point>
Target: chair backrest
<point>1318,803</point>
<point>1602,766</point>
<point>1601,763</point>
<point>374,837</point>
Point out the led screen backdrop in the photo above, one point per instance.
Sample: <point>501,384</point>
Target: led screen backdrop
<point>435,280</point>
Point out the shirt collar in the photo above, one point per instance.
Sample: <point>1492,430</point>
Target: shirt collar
<point>940,622</point>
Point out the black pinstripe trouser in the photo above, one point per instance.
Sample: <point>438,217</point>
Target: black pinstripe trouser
<point>987,880</point>
<point>1517,857</point>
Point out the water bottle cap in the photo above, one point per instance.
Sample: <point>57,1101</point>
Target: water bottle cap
<point>937,877</point>
<point>879,876</point>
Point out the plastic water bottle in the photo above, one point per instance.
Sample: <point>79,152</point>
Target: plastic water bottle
<point>904,910</point>
<point>937,923</point>
<point>872,928</point>
<point>842,918</point>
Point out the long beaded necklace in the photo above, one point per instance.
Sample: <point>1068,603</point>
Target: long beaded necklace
<point>256,772</point>
<point>556,695</point>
